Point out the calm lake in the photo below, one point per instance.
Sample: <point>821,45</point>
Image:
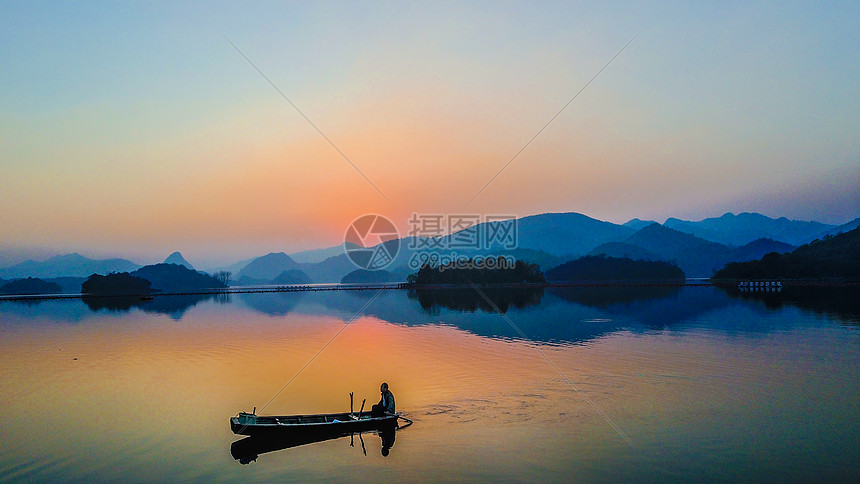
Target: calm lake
<point>585,384</point>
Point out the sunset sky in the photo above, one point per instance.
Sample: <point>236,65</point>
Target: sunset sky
<point>136,129</point>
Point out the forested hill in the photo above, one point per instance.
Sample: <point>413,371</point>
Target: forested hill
<point>604,269</point>
<point>831,257</point>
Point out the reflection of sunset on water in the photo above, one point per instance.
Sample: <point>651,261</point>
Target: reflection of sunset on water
<point>115,391</point>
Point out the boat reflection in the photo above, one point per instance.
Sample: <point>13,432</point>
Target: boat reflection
<point>249,449</point>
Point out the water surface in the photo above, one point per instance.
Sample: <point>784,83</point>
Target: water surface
<point>595,384</point>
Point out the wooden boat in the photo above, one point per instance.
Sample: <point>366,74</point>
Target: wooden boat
<point>309,426</point>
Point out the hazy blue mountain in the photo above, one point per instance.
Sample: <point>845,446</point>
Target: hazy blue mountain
<point>331,270</point>
<point>233,268</point>
<point>69,285</point>
<point>663,241</point>
<point>70,265</point>
<point>547,240</point>
<point>10,255</point>
<point>176,278</point>
<point>841,229</point>
<point>758,248</point>
<point>830,257</point>
<point>566,234</point>
<point>176,258</point>
<point>552,238</point>
<point>317,255</point>
<point>268,266</point>
<point>695,256</point>
<point>624,250</point>
<point>292,276</point>
<point>638,224</point>
<point>250,281</point>
<point>363,275</point>
<point>746,227</point>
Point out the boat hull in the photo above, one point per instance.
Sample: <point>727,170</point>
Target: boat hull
<point>309,426</point>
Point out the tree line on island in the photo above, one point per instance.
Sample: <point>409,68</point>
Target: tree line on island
<point>154,278</point>
<point>832,257</point>
<point>582,270</point>
<point>470,271</point>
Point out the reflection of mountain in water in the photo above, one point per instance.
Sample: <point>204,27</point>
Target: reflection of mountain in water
<point>840,302</point>
<point>174,306</point>
<point>557,315</point>
<point>470,300</point>
<point>272,303</point>
<point>41,311</point>
<point>581,314</point>
<point>654,306</point>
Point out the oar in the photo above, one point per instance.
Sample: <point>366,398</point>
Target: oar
<point>350,404</point>
<point>362,407</point>
<point>404,418</point>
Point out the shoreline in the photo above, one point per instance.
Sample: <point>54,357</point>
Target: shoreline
<point>402,286</point>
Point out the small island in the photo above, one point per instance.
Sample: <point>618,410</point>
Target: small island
<point>166,278</point>
<point>30,285</point>
<point>121,283</point>
<point>177,278</point>
<point>615,269</point>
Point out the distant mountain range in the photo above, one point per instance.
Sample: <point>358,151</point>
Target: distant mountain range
<point>697,257</point>
<point>743,228</point>
<point>549,239</point>
<point>317,255</point>
<point>565,234</point>
<point>70,265</point>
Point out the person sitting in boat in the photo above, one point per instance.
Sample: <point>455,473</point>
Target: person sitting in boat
<point>386,403</point>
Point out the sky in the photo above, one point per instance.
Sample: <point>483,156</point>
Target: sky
<point>136,129</point>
